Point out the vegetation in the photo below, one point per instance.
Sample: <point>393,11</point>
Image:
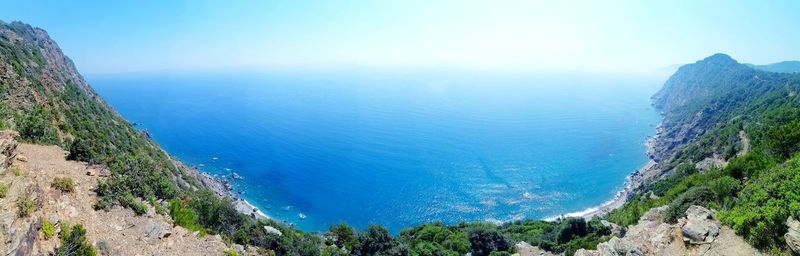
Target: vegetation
<point>757,191</point>
<point>64,184</point>
<point>26,205</point>
<point>48,229</point>
<point>73,242</point>
<point>3,190</point>
<point>708,106</point>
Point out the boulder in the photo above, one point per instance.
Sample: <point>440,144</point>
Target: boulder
<point>617,246</point>
<point>272,230</point>
<point>792,236</point>
<point>156,229</point>
<point>615,229</point>
<point>700,227</point>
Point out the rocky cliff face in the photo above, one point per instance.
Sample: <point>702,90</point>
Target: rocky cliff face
<point>697,234</point>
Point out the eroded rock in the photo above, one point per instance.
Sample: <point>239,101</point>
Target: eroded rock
<point>700,226</point>
<point>793,235</point>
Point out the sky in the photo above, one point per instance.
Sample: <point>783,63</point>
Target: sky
<point>109,37</point>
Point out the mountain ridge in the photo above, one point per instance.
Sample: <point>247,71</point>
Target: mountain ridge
<point>728,135</point>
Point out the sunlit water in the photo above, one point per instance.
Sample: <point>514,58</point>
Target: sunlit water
<point>400,149</point>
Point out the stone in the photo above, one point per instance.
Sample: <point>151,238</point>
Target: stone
<point>654,214</point>
<point>238,247</point>
<point>156,229</point>
<point>792,236</point>
<point>700,227</point>
<point>616,230</point>
<point>272,230</point>
<point>22,158</point>
<point>617,246</point>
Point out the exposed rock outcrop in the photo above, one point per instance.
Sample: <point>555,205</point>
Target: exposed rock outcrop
<point>697,234</point>
<point>792,236</point>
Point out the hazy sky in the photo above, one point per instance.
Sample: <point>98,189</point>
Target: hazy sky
<point>596,36</point>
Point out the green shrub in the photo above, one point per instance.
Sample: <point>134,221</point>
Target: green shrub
<point>694,196</point>
<point>26,205</point>
<point>78,151</point>
<point>764,204</point>
<point>377,241</point>
<point>344,236</point>
<point>48,229</point>
<point>73,242</point>
<point>16,170</point>
<point>231,252</point>
<point>484,241</point>
<point>64,184</point>
<point>131,202</point>
<point>3,190</point>
<point>183,216</point>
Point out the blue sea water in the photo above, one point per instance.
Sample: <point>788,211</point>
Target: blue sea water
<point>400,149</point>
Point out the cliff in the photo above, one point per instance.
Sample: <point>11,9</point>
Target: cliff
<point>71,164</point>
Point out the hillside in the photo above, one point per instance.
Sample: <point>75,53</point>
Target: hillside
<point>780,67</point>
<point>727,142</point>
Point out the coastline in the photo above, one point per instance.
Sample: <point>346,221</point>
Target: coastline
<point>224,188</point>
<point>633,182</point>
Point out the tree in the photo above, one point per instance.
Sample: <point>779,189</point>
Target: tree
<point>486,240</point>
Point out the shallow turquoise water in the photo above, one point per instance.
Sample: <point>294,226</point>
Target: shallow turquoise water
<point>400,149</point>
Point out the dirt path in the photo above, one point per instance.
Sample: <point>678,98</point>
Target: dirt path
<point>115,232</point>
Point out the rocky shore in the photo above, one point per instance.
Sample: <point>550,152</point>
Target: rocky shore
<point>224,188</point>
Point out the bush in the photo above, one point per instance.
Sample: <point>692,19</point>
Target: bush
<point>764,204</point>
<point>16,170</point>
<point>484,241</point>
<point>569,228</point>
<point>73,242</point>
<point>345,237</point>
<point>131,202</point>
<point>48,229</point>
<point>231,252</point>
<point>64,184</point>
<point>26,205</point>
<point>78,151</point>
<point>183,216</point>
<point>376,239</point>
<point>695,196</point>
<point>3,190</point>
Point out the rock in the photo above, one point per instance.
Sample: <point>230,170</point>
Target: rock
<point>272,230</point>
<point>22,158</point>
<point>616,230</point>
<point>525,249</point>
<point>654,214</point>
<point>90,172</point>
<point>700,226</point>
<point>156,229</point>
<point>792,236</point>
<point>239,248</point>
<point>622,247</point>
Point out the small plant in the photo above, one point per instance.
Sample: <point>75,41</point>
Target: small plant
<point>64,184</point>
<point>16,170</point>
<point>3,190</point>
<point>48,229</point>
<point>73,242</point>
<point>231,252</point>
<point>26,205</point>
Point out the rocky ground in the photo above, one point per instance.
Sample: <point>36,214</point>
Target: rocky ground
<point>697,234</point>
<point>29,171</point>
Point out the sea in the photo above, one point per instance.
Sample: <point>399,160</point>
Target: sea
<point>399,148</point>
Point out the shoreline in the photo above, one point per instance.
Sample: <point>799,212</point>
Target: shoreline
<point>632,182</point>
<point>224,188</point>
